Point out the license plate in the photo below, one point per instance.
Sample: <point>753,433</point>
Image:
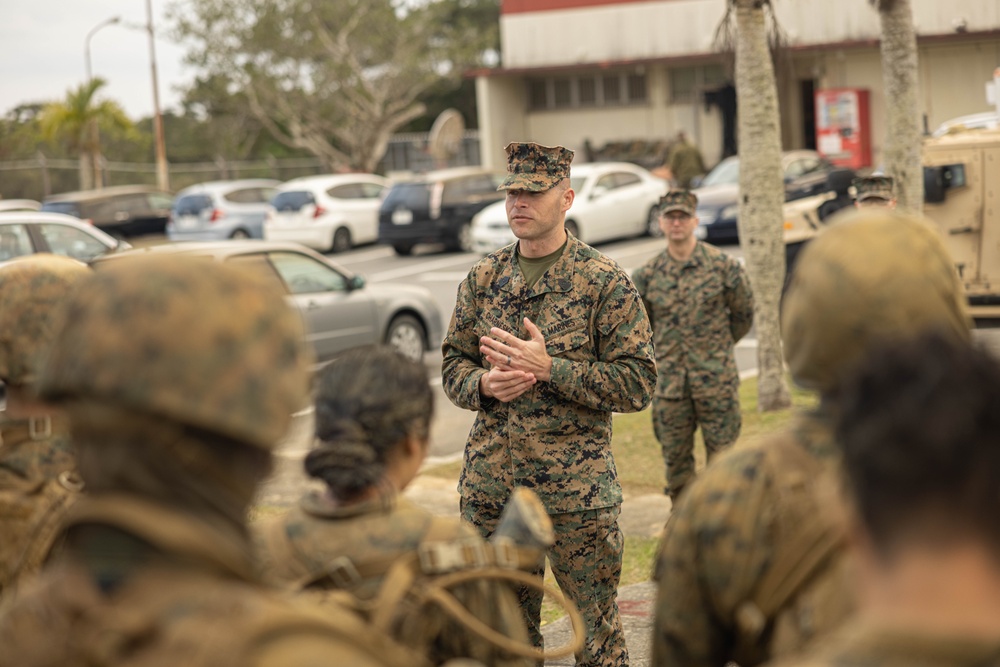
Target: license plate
<point>187,221</point>
<point>402,216</point>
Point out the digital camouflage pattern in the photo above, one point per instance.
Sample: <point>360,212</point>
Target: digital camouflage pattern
<point>321,546</point>
<point>699,309</point>
<point>880,187</point>
<point>873,277</point>
<point>900,267</point>
<point>865,643</point>
<point>31,290</point>
<point>37,480</point>
<point>198,364</point>
<point>554,439</point>
<point>535,168</point>
<point>586,561</point>
<point>678,200</point>
<point>173,591</point>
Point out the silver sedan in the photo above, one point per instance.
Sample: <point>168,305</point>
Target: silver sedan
<point>339,309</point>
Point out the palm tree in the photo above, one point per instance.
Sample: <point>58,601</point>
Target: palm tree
<point>75,121</point>
<point>901,154</point>
<point>762,190</point>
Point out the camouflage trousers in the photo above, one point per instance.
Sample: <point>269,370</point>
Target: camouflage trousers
<point>674,423</point>
<point>587,563</point>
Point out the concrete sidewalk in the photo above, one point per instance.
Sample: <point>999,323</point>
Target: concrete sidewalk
<point>641,515</point>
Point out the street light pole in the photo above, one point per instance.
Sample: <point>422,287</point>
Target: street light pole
<point>162,174</point>
<point>95,138</point>
<point>86,42</point>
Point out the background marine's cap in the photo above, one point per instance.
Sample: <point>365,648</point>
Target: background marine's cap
<point>873,186</point>
<point>535,168</point>
<point>678,200</point>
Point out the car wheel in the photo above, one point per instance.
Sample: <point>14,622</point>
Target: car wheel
<point>239,234</point>
<point>653,223</point>
<point>573,229</point>
<point>406,336</point>
<point>341,240</point>
<point>403,249</point>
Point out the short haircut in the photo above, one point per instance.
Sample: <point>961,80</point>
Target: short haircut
<point>919,428</point>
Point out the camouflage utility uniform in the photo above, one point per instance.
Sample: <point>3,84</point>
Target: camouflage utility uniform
<point>178,377</point>
<point>37,469</point>
<point>556,438</point>
<point>323,546</point>
<point>752,564</point>
<point>685,162</point>
<point>699,309</point>
<point>864,643</point>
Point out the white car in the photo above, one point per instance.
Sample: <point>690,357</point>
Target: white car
<point>331,213</point>
<point>613,200</point>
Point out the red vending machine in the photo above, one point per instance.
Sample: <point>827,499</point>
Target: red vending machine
<point>843,131</point>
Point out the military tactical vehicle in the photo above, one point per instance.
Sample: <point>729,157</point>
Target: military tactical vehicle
<point>962,197</point>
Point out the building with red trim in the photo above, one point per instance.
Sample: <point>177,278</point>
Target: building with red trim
<point>588,72</point>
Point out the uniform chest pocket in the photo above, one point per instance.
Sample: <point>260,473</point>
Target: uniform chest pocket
<point>569,340</point>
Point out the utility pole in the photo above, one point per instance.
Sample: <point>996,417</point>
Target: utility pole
<point>162,174</point>
<point>97,176</point>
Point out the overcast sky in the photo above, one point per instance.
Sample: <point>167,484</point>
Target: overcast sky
<point>42,45</point>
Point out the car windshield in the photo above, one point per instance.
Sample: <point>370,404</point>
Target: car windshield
<point>726,172</point>
<point>192,204</point>
<point>292,200</point>
<point>66,207</point>
<point>408,195</point>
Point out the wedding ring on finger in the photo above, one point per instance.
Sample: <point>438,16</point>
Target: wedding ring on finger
<point>508,360</point>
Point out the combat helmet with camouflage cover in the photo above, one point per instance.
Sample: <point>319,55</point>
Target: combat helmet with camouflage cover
<point>207,345</point>
<point>32,288</point>
<point>874,276</point>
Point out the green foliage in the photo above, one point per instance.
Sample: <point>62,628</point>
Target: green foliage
<point>70,121</point>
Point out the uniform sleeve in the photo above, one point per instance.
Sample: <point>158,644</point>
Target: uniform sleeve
<point>462,365</point>
<point>739,300</point>
<point>711,555</point>
<point>624,375</point>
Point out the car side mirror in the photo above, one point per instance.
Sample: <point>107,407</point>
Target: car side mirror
<point>356,282</point>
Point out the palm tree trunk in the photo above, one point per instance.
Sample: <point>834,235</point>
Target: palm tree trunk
<point>899,79</point>
<point>86,171</point>
<point>762,194</point>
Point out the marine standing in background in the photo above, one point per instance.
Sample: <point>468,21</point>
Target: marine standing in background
<point>178,376</point>
<point>373,414</point>
<point>685,161</point>
<point>752,564</point>
<point>874,191</point>
<point>37,472</point>
<point>547,340</point>
<point>700,304</point>
<point>917,428</point>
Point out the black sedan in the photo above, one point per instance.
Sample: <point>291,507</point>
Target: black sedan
<point>805,174</point>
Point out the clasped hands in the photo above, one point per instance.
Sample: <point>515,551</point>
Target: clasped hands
<point>516,364</point>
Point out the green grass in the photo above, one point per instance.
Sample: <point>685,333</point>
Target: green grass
<point>641,470</point>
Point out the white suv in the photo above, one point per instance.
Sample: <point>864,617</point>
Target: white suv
<point>330,213</point>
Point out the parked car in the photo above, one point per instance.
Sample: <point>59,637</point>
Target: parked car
<point>437,208</point>
<point>330,213</point>
<point>124,211</point>
<point>339,309</point>
<point>29,232</point>
<point>221,210</point>
<point>613,200</point>
<point>805,173</point>
<point>19,205</point>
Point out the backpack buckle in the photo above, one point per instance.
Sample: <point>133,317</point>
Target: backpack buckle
<point>438,557</point>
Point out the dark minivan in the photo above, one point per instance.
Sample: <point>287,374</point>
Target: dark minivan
<point>436,207</point>
<point>123,211</point>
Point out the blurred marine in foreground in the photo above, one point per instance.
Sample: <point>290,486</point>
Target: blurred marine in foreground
<point>753,564</point>
<point>38,479</point>
<point>178,377</point>
<point>918,433</point>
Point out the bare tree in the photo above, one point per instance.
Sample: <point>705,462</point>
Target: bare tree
<point>335,78</point>
<point>901,154</point>
<point>762,190</point>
